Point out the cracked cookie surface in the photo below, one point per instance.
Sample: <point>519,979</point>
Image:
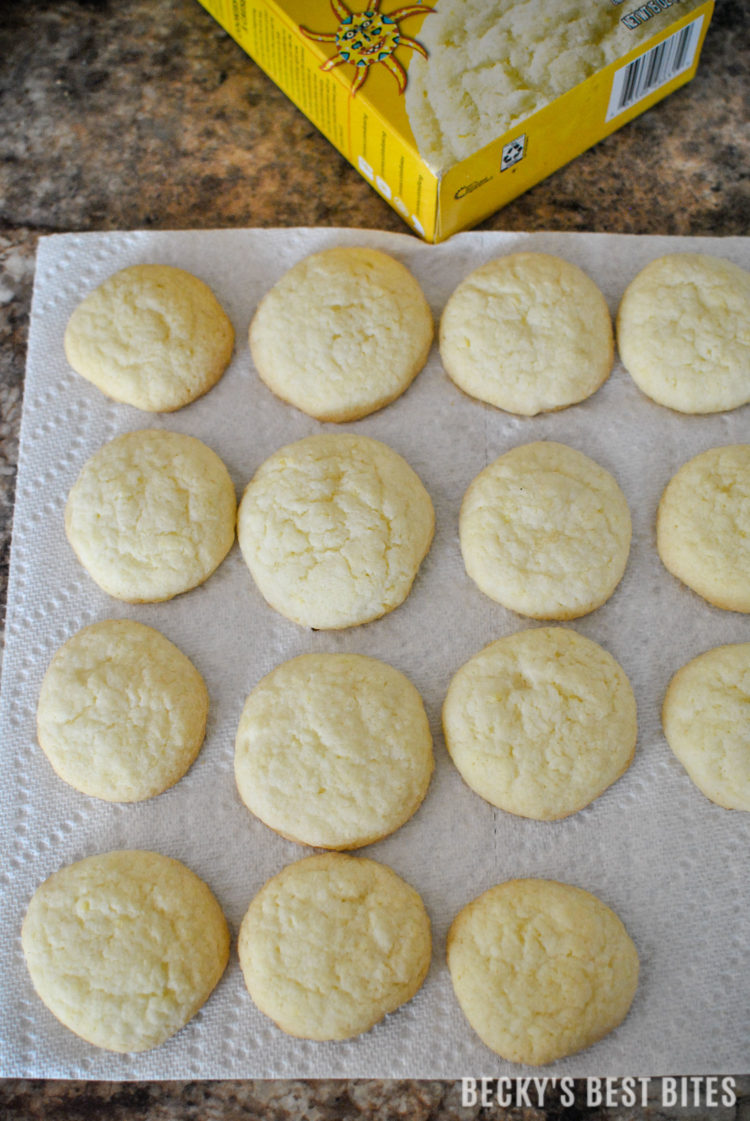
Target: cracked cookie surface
<point>334,528</point>
<point>706,720</point>
<point>527,333</point>
<point>344,332</point>
<point>541,969</point>
<point>332,944</point>
<point>703,526</point>
<point>683,332</point>
<point>122,711</point>
<point>125,947</point>
<point>151,336</point>
<point>333,750</point>
<point>541,722</point>
<point>545,531</point>
<point>151,515</point>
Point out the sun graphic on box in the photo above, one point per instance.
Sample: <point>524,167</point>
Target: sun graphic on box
<point>367,38</point>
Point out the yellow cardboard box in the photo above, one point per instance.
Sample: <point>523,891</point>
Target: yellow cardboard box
<point>452,108</point>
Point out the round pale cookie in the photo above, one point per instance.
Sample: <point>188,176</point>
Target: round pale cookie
<point>151,336</point>
<point>122,712</point>
<point>333,750</point>
<point>125,947</point>
<point>151,515</point>
<point>343,333</point>
<point>706,719</point>
<point>527,333</point>
<point>703,526</point>
<point>334,528</point>
<point>545,531</point>
<point>541,969</point>
<point>332,944</point>
<point>683,332</point>
<point>540,723</point>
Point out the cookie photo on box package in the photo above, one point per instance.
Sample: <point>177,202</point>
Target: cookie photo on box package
<point>452,108</point>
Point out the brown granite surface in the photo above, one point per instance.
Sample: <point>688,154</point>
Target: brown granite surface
<point>126,114</point>
<point>330,1100</point>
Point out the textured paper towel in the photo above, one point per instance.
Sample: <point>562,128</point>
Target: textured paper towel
<point>673,866</point>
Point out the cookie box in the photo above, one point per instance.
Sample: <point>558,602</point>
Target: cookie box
<point>451,108</point>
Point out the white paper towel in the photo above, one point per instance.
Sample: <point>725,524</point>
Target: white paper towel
<point>673,865</point>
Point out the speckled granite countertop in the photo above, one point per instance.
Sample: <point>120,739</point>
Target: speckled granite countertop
<point>145,114</point>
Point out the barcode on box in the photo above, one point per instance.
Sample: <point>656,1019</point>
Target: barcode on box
<point>654,68</point>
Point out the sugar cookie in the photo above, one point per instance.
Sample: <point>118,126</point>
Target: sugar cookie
<point>122,712</point>
<point>703,526</point>
<point>545,531</point>
<point>343,333</point>
<point>527,333</point>
<point>125,947</point>
<point>541,722</point>
<point>683,332</point>
<point>151,515</point>
<point>333,750</point>
<point>151,336</point>
<point>541,969</point>
<point>334,528</point>
<point>706,719</point>
<point>332,944</point>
